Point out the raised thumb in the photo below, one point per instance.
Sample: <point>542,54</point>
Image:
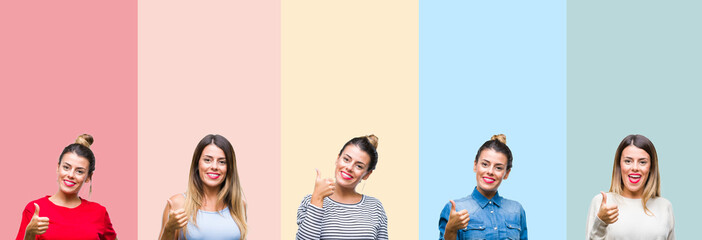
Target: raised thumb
<point>319,176</point>
<point>604,198</point>
<point>36,209</point>
<point>453,205</point>
<point>170,204</point>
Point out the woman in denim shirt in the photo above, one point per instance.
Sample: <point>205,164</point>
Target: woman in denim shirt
<point>485,214</point>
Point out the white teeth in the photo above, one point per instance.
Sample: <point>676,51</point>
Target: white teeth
<point>635,176</point>
<point>213,174</point>
<point>345,175</point>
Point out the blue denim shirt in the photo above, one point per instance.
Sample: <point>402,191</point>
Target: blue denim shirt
<point>496,218</point>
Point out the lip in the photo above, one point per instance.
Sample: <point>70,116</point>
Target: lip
<point>345,175</point>
<point>213,175</point>
<point>69,183</point>
<point>488,180</point>
<point>634,178</point>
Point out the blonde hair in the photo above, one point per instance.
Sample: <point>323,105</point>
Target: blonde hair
<point>652,187</point>
<point>499,137</point>
<point>230,193</point>
<point>85,140</point>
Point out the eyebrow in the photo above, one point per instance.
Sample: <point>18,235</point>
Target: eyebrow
<point>489,161</point>
<point>358,162</point>
<point>72,165</point>
<point>628,157</point>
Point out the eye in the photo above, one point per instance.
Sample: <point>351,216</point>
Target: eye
<point>499,168</point>
<point>65,167</point>
<point>207,160</point>
<point>643,162</point>
<point>80,172</point>
<point>627,161</point>
<point>346,159</point>
<point>359,167</point>
<point>484,164</point>
<point>222,162</point>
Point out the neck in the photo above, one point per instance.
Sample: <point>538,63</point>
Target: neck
<point>345,195</point>
<point>210,198</point>
<point>629,194</point>
<point>487,194</point>
<point>65,200</point>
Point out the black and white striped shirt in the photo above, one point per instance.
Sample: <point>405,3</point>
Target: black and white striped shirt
<point>363,220</point>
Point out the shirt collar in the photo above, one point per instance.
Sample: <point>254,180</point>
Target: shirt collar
<point>483,201</point>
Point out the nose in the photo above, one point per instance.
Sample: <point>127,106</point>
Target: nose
<point>491,171</point>
<point>636,167</point>
<point>214,166</point>
<point>71,174</point>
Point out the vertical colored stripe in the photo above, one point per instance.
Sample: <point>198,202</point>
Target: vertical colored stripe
<point>68,68</point>
<point>209,67</point>
<point>350,69</point>
<point>633,68</point>
<point>487,68</point>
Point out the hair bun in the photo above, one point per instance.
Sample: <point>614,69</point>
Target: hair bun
<point>373,140</point>
<point>499,137</point>
<point>85,140</point>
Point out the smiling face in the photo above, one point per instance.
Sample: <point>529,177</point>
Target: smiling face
<point>212,166</point>
<point>72,173</point>
<point>351,167</point>
<point>490,170</point>
<point>635,165</point>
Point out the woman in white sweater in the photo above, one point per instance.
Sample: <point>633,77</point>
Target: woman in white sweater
<point>633,208</point>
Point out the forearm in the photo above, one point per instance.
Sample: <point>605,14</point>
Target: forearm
<point>450,235</point>
<point>168,234</point>
<point>29,235</point>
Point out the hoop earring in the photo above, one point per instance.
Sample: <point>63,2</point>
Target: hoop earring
<point>90,193</point>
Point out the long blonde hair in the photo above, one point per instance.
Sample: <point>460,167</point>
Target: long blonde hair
<point>230,192</point>
<point>652,186</point>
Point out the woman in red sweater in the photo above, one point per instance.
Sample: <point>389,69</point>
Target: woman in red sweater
<point>65,215</point>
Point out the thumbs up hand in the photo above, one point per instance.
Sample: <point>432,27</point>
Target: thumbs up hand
<point>38,225</point>
<point>457,220</point>
<point>323,187</point>
<point>609,212</point>
<point>176,218</point>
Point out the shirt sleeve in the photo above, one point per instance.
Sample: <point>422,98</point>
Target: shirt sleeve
<point>596,228</point>
<point>109,232</point>
<point>523,223</point>
<point>443,219</point>
<point>26,218</point>
<point>309,220</point>
<point>383,231</point>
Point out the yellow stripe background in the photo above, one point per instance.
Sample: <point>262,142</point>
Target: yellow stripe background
<point>350,68</point>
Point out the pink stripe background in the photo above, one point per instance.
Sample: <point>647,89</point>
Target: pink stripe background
<point>203,67</point>
<point>67,68</point>
<point>209,67</point>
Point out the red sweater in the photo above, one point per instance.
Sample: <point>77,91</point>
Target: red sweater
<point>88,220</point>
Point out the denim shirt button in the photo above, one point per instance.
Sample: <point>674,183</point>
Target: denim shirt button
<point>495,228</point>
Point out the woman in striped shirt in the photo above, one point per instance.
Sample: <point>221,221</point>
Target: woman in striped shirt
<point>335,210</point>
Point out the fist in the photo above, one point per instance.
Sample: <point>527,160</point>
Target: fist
<point>323,187</point>
<point>457,220</point>
<point>609,212</point>
<point>38,225</point>
<point>177,218</point>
